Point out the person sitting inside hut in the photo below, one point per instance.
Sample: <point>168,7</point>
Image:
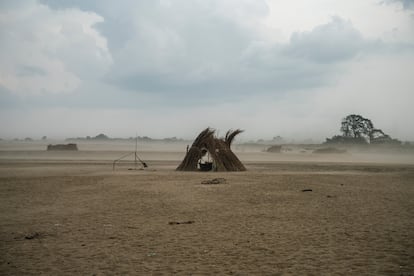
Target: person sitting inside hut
<point>204,163</point>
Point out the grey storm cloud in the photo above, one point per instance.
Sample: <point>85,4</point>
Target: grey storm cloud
<point>26,70</point>
<point>331,42</point>
<point>187,49</point>
<point>193,48</point>
<point>407,4</point>
<point>215,55</point>
<point>160,46</point>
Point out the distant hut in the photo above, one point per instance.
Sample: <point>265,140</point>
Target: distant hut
<point>72,147</point>
<point>215,151</point>
<point>275,149</point>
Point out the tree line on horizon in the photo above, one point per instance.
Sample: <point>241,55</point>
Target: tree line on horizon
<point>139,138</point>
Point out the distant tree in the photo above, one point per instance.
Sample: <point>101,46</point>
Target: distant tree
<point>278,139</point>
<point>44,138</point>
<point>260,141</point>
<point>377,136</point>
<point>339,139</point>
<point>101,137</point>
<point>171,139</point>
<point>359,130</point>
<point>356,126</point>
<point>145,138</point>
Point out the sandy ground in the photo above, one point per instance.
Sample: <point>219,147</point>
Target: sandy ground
<point>69,213</point>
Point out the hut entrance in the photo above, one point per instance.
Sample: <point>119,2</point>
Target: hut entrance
<point>205,163</point>
<point>209,153</point>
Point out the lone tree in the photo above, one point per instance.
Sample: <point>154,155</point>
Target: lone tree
<point>359,130</point>
<point>356,126</point>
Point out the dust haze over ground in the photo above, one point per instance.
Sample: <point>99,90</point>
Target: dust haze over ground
<point>159,150</point>
<point>292,212</point>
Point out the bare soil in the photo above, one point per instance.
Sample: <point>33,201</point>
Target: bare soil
<point>71,214</point>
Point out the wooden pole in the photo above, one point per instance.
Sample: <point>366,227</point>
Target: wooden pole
<point>136,147</point>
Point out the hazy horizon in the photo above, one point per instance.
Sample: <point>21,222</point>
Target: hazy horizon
<point>171,68</point>
<point>239,139</point>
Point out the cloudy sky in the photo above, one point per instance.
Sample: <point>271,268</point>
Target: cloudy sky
<point>166,68</point>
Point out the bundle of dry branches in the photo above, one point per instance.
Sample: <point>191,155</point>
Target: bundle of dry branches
<point>218,148</point>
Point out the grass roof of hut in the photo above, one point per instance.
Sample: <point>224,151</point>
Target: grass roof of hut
<point>223,158</point>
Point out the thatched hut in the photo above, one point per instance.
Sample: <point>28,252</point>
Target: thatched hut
<point>275,149</point>
<point>220,156</point>
<point>63,147</point>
